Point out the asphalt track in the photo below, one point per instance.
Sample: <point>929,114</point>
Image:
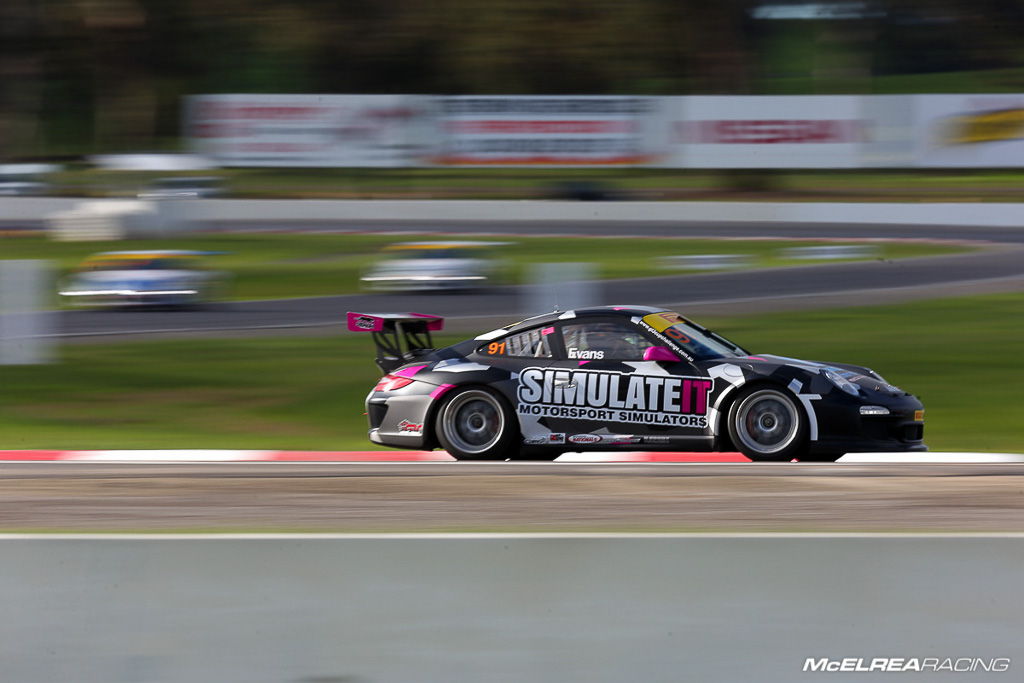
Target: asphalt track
<point>441,496</point>
<point>999,266</point>
<point>511,496</point>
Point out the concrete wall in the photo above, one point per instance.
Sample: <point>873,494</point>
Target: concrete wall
<point>506,608</point>
<point>284,211</point>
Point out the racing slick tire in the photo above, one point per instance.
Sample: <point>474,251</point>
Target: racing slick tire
<point>476,423</point>
<point>766,423</point>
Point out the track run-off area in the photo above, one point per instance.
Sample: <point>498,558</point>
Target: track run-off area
<point>403,492</point>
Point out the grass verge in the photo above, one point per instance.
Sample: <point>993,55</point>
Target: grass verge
<point>572,183</point>
<point>961,356</point>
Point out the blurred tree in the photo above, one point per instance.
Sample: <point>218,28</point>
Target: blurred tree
<point>21,77</point>
<point>98,75</point>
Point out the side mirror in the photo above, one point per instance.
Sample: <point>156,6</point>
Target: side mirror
<point>660,353</point>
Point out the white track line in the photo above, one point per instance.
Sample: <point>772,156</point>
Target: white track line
<point>530,535</point>
<point>931,457</point>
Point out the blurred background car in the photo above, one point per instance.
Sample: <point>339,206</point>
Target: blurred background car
<point>166,277</point>
<point>25,179</point>
<point>184,187</point>
<point>436,266</point>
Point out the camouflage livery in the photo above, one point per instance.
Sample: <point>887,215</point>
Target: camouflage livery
<point>622,377</point>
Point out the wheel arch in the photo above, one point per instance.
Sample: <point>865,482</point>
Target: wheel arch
<point>723,442</point>
<point>439,396</point>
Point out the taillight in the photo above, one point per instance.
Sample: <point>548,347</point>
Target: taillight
<point>392,382</point>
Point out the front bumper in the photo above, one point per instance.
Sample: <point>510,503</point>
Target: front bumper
<point>848,429</point>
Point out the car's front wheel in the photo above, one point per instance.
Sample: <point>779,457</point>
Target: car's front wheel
<point>767,424</point>
<point>477,424</point>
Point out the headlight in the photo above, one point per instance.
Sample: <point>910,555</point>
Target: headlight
<point>841,382</point>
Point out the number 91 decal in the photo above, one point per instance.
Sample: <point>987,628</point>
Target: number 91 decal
<point>674,333</point>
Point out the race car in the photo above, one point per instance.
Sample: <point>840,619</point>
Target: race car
<point>620,378</point>
<point>161,277</point>
<point>445,266</point>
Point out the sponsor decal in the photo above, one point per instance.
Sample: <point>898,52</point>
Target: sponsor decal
<point>604,130</point>
<point>661,325</point>
<point>656,439</point>
<point>411,427</point>
<point>619,439</point>
<point>585,355</point>
<point>614,396</point>
<point>770,131</point>
<point>554,438</point>
<point>662,321</point>
<point>365,322</point>
<point>987,126</point>
<point>584,438</point>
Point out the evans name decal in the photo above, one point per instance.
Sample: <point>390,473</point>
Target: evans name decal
<point>588,354</point>
<point>614,396</point>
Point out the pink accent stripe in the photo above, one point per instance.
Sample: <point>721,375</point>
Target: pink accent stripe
<point>441,391</point>
<point>362,456</point>
<point>356,456</point>
<point>31,455</point>
<point>409,371</point>
<point>231,456</point>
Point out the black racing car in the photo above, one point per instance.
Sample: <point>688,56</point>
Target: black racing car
<point>621,377</point>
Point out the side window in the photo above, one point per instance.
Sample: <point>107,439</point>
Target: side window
<point>533,343</point>
<point>604,341</point>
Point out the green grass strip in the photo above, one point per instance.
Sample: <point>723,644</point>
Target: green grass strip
<point>961,356</point>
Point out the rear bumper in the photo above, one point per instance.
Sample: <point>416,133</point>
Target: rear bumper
<point>398,421</point>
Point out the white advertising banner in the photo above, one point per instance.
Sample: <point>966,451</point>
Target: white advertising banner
<point>308,130</point>
<point>547,131</point>
<point>969,130</point>
<point>827,131</point>
<point>765,131</point>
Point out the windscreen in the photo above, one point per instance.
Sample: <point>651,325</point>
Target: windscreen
<point>698,342</point>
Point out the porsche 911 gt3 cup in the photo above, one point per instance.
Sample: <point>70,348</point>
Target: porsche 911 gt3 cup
<point>160,277</point>
<point>621,378</point>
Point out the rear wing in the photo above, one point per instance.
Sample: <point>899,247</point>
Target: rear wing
<point>399,337</point>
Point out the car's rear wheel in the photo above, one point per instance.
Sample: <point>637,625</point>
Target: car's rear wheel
<point>477,424</point>
<point>767,424</point>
